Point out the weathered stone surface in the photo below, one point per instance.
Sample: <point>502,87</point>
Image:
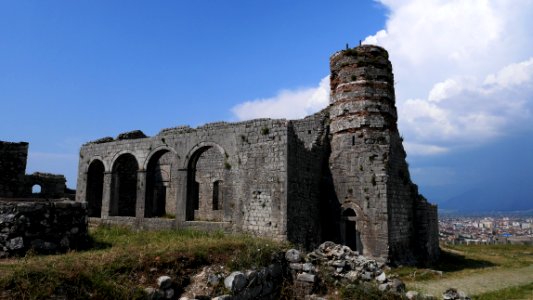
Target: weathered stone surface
<point>293,256</point>
<point>453,294</point>
<point>236,281</point>
<point>337,175</point>
<point>44,226</point>
<point>306,277</point>
<point>411,294</point>
<point>164,282</point>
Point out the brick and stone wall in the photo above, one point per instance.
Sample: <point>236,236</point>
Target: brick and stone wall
<point>363,119</point>
<point>338,175</point>
<point>367,162</point>
<point>44,226</point>
<point>12,168</point>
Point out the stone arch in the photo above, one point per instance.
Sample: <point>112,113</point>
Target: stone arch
<point>206,165</point>
<point>124,185</point>
<point>349,232</point>
<point>36,189</point>
<point>95,187</point>
<point>97,158</point>
<point>160,186</point>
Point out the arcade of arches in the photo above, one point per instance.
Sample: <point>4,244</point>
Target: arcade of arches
<point>204,186</point>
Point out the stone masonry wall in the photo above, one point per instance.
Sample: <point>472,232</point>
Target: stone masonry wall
<point>52,185</point>
<point>12,168</point>
<point>307,153</point>
<point>339,175</point>
<point>252,189</point>
<point>367,162</point>
<point>44,226</point>
<point>362,115</point>
<point>426,231</point>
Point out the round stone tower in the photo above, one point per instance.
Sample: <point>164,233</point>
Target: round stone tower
<point>367,157</point>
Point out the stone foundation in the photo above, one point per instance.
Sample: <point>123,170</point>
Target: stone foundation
<point>43,226</point>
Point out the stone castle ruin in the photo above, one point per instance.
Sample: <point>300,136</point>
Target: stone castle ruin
<point>15,183</point>
<point>46,221</point>
<point>338,175</point>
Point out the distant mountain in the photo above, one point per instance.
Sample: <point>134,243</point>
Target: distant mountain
<point>490,198</point>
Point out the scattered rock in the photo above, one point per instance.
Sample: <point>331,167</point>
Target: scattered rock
<point>453,294</point>
<point>235,282</point>
<point>411,294</point>
<point>169,293</point>
<point>306,277</point>
<point>152,293</point>
<point>213,279</point>
<point>223,297</point>
<point>382,278</point>
<point>293,256</point>
<point>164,282</point>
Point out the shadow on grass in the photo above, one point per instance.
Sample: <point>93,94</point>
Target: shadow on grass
<point>93,244</point>
<point>453,262</point>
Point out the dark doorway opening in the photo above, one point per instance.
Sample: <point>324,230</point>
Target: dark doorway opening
<point>95,188</point>
<point>124,186</point>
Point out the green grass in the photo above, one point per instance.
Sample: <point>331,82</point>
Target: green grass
<point>122,262</point>
<point>515,292</point>
<point>459,260</point>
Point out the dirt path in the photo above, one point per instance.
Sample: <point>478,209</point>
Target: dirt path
<point>474,284</point>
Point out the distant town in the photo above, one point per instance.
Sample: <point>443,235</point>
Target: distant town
<point>486,230</point>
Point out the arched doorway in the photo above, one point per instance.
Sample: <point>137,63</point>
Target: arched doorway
<point>95,188</point>
<point>124,186</point>
<point>205,191</point>
<point>159,187</point>
<point>350,235</point>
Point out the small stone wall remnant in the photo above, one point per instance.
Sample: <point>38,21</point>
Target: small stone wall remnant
<point>44,226</point>
<point>12,168</point>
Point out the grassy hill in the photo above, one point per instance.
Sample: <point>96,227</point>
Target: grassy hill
<point>123,262</point>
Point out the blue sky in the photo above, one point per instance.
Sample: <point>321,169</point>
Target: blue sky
<point>75,71</point>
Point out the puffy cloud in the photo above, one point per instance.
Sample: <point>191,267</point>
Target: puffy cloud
<point>463,70</point>
<point>463,73</point>
<point>290,104</point>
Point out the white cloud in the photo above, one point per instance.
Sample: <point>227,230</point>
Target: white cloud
<point>463,70</point>
<point>463,73</point>
<point>290,104</point>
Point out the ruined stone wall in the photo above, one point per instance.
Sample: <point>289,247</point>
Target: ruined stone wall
<point>307,153</point>
<point>367,162</point>
<point>401,194</point>
<point>52,185</point>
<point>250,164</point>
<point>44,226</point>
<point>12,168</point>
<point>426,231</point>
<point>362,117</point>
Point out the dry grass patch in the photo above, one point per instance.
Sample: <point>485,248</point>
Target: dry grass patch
<point>122,262</point>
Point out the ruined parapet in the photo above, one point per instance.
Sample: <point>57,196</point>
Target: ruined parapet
<point>131,135</point>
<point>52,185</point>
<point>370,175</point>
<point>12,168</point>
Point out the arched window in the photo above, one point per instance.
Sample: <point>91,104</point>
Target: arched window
<point>216,194</point>
<point>159,185</point>
<point>205,172</point>
<point>36,189</point>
